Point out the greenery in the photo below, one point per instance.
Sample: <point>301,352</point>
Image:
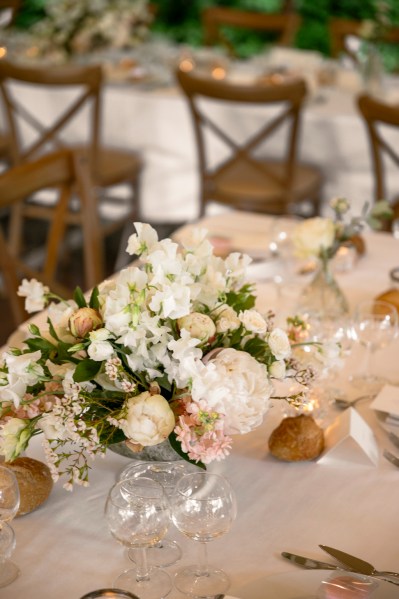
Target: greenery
<point>181,21</point>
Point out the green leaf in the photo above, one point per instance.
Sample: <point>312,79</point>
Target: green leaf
<point>79,298</point>
<point>175,444</point>
<point>38,343</point>
<point>93,302</point>
<point>86,370</point>
<point>52,330</point>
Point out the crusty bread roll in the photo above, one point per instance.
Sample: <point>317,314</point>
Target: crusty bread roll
<point>391,296</point>
<point>34,481</point>
<point>297,438</point>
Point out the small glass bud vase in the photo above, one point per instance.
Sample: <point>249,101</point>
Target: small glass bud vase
<point>323,299</point>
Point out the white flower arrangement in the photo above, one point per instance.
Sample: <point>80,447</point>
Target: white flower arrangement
<point>72,27</point>
<point>171,348</point>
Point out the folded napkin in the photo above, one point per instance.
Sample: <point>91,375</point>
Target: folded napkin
<point>387,401</point>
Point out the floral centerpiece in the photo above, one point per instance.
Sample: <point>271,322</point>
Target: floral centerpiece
<point>171,348</point>
<point>320,238</point>
<point>71,27</point>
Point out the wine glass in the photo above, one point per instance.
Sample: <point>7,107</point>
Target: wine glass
<point>9,504</point>
<point>375,325</point>
<point>138,517</point>
<point>203,508</point>
<point>165,552</point>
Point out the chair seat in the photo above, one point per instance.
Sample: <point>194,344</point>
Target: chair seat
<point>116,166</point>
<point>246,187</point>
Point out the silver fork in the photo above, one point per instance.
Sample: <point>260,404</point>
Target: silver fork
<point>391,458</point>
<point>347,403</point>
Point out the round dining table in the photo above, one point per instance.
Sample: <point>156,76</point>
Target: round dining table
<point>64,548</point>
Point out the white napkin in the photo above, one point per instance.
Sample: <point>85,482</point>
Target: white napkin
<point>387,401</point>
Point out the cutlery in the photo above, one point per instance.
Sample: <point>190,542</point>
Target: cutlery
<point>394,438</point>
<point>347,403</point>
<point>310,563</point>
<point>357,564</point>
<point>391,458</point>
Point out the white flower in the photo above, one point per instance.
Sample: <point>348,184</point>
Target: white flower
<point>35,293</point>
<point>312,235</point>
<point>13,438</point>
<point>253,321</point>
<point>277,369</point>
<point>198,325</point>
<point>143,241</point>
<point>52,427</point>
<point>279,344</point>
<point>172,302</point>
<point>149,419</point>
<point>25,366</point>
<point>226,319</point>
<point>236,385</point>
<point>12,389</point>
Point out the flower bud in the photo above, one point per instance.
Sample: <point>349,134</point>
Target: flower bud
<point>83,321</point>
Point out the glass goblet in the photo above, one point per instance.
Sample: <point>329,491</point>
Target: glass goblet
<point>203,508</point>
<point>9,504</point>
<point>375,325</point>
<point>166,552</point>
<point>137,513</point>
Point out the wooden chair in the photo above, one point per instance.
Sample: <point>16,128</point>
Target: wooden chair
<point>67,172</point>
<point>12,5</point>
<point>245,180</point>
<point>108,166</point>
<point>375,114</point>
<point>214,18</point>
<point>341,29</point>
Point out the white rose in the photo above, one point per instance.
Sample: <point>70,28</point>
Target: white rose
<point>279,344</point>
<point>312,235</point>
<point>200,326</point>
<point>226,319</point>
<point>253,321</point>
<point>277,369</point>
<point>13,438</point>
<point>100,349</point>
<point>236,385</point>
<point>149,419</point>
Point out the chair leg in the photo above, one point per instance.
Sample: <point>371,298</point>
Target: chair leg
<point>15,232</point>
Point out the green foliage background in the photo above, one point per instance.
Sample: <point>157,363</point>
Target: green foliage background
<point>181,20</point>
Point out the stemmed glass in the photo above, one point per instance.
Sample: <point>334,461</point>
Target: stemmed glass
<point>375,325</point>
<point>165,552</point>
<point>9,504</point>
<point>203,508</point>
<point>138,517</point>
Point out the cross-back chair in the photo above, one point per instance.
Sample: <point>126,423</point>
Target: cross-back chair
<point>108,166</point>
<point>67,172</point>
<point>247,180</point>
<point>214,18</point>
<point>341,30</point>
<point>377,114</point>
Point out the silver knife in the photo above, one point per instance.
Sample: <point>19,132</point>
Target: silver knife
<point>310,563</point>
<point>355,563</point>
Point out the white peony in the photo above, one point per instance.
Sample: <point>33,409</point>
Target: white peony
<point>13,438</point>
<point>149,419</point>
<point>279,344</point>
<point>253,321</point>
<point>312,235</point>
<point>236,385</point>
<point>35,294</point>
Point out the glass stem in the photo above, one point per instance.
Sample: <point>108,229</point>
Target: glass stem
<point>203,567</point>
<point>367,366</point>
<point>142,570</point>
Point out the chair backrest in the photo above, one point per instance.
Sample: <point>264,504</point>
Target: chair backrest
<point>287,96</point>
<point>342,29</point>
<point>87,80</point>
<point>214,18</point>
<point>376,113</point>
<point>67,172</point>
<point>13,6</point>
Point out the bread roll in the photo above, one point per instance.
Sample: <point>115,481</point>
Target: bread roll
<point>34,481</point>
<point>297,438</point>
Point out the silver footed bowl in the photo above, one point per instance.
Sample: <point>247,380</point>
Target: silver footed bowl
<point>163,452</point>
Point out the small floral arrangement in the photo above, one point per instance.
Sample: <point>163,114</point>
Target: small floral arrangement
<point>321,238</point>
<point>172,348</point>
<point>72,27</point>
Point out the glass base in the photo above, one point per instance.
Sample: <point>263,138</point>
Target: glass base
<point>192,582</point>
<point>160,556</point>
<point>157,586</point>
<point>368,384</point>
<point>8,573</point>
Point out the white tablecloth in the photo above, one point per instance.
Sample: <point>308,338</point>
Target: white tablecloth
<point>64,548</point>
